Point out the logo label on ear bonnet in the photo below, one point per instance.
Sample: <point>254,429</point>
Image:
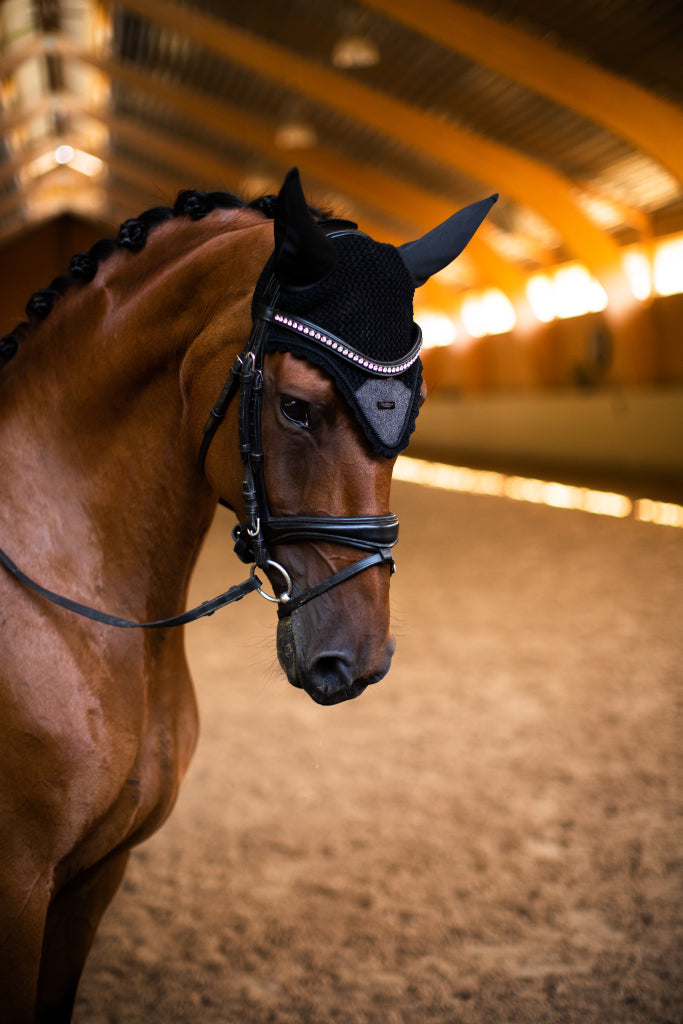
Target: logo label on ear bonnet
<point>385,404</point>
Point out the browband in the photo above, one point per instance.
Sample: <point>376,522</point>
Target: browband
<point>337,346</point>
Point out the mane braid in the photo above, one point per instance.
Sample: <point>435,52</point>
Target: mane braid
<point>132,235</point>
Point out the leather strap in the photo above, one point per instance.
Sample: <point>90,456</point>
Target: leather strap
<point>366,532</point>
<point>217,414</point>
<point>287,608</point>
<point>235,593</point>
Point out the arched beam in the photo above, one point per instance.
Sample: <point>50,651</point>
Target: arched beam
<point>359,181</point>
<point>398,201</point>
<point>649,122</point>
<point>192,168</point>
<point>12,59</point>
<point>413,206</point>
<point>350,177</point>
<point>504,169</point>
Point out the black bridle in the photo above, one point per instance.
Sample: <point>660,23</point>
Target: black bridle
<point>260,531</point>
<point>299,242</point>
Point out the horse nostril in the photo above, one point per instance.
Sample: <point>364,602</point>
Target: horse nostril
<point>330,673</point>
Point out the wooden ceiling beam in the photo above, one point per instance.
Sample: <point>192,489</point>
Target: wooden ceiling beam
<point>12,203</point>
<point>413,206</point>
<point>11,120</point>
<point>31,191</point>
<point>397,200</point>
<point>19,161</point>
<point>502,168</point>
<point>649,122</point>
<point>195,168</point>
<point>10,60</point>
<point>359,183</point>
<point>400,202</point>
<point>191,164</point>
<point>126,197</point>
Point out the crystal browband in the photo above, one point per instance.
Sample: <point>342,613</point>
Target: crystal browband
<point>339,347</point>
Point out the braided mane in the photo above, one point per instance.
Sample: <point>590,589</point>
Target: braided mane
<point>132,235</point>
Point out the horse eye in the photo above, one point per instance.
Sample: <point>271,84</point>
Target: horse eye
<point>295,410</point>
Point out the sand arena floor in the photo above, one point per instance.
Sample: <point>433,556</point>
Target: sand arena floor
<point>491,834</point>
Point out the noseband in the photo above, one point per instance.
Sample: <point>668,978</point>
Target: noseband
<point>260,531</point>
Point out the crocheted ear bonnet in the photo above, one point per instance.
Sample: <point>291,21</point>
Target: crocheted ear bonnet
<point>332,295</point>
<point>361,333</point>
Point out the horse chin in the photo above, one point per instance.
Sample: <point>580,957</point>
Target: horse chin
<point>328,699</point>
<point>325,693</point>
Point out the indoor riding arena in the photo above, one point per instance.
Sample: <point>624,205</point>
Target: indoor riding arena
<point>492,833</point>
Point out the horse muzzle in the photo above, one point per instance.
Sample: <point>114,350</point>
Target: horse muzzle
<point>328,676</point>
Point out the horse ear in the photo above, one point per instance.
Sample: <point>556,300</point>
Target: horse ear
<point>303,253</point>
<point>441,245</point>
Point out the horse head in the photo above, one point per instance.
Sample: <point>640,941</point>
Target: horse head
<point>333,391</point>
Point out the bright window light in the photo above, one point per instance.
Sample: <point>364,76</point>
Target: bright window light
<point>662,512</point>
<point>539,292</point>
<point>438,330</point>
<point>637,269</point>
<point>542,492</point>
<point>577,292</point>
<point>473,317</point>
<point>488,313</point>
<point>668,267</point>
<point>499,311</point>
<point>570,291</point>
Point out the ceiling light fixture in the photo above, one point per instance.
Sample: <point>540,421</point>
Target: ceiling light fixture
<point>355,51</point>
<point>64,154</point>
<point>295,135</point>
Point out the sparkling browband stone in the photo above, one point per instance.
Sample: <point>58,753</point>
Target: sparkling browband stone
<point>344,350</point>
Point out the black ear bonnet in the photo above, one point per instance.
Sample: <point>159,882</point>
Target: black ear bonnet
<point>332,295</point>
<point>361,333</point>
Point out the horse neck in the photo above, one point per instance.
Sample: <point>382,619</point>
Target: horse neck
<point>104,431</point>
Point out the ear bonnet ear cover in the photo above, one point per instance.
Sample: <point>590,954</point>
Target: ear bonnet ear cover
<point>366,300</point>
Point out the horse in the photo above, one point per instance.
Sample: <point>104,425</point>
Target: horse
<point>261,354</point>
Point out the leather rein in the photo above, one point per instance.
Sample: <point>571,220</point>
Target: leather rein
<point>259,531</point>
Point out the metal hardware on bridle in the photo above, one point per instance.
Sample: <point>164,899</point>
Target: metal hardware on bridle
<point>260,531</point>
<point>285,575</point>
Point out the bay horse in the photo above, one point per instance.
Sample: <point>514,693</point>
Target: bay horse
<point>114,451</point>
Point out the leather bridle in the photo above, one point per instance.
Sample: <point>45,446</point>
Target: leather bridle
<point>260,531</point>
